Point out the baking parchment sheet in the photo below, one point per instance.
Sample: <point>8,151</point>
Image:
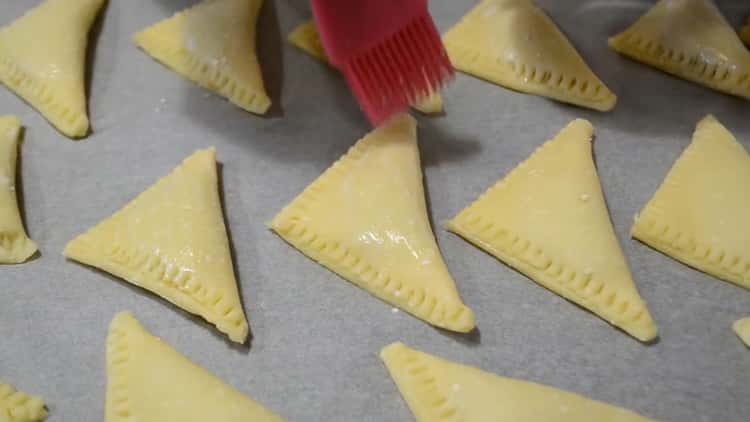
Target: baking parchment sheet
<point>313,355</point>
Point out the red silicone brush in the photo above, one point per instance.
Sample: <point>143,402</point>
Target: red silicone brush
<point>389,51</point>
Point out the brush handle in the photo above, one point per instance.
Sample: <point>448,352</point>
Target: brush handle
<point>349,27</point>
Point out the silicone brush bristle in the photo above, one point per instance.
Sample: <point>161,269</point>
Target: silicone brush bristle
<point>389,51</point>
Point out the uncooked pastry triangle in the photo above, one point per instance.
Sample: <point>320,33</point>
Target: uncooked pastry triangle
<point>148,381</point>
<point>213,45</point>
<point>43,59</point>
<point>306,38</point>
<point>548,219</point>
<point>365,218</point>
<point>17,406</point>
<point>699,215</point>
<point>172,241</point>
<point>692,40</point>
<point>439,390</point>
<point>515,44</point>
<point>15,245</point>
<point>742,328</point>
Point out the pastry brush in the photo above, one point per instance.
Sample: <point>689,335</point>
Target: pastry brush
<point>389,51</point>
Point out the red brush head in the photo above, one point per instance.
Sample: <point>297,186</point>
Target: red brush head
<point>389,51</point>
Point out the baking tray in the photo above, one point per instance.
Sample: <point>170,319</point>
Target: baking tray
<point>313,355</point>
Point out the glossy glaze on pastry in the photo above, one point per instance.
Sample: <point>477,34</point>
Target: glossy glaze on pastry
<point>213,45</point>
<point>148,381</point>
<point>514,44</point>
<point>437,390</point>
<point>548,219</point>
<point>700,214</point>
<point>365,218</point>
<point>172,241</point>
<point>692,40</point>
<point>43,59</point>
<point>306,38</point>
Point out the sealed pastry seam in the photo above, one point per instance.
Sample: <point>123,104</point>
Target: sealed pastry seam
<point>409,371</point>
<point>141,371</point>
<point>19,406</point>
<point>659,225</point>
<point>15,245</point>
<point>306,38</point>
<point>70,121</point>
<point>717,59</point>
<point>332,254</point>
<point>590,93</point>
<point>438,390</point>
<point>170,42</point>
<point>577,286</point>
<point>157,274</point>
<point>498,53</point>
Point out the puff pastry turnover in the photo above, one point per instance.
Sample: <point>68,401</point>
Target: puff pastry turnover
<point>213,45</point>
<point>16,406</point>
<point>699,215</point>
<point>692,40</point>
<point>306,38</point>
<point>515,44</point>
<point>148,381</point>
<point>42,60</point>
<point>439,390</point>
<point>15,245</point>
<point>547,218</point>
<point>172,241</point>
<point>742,328</point>
<point>365,218</point>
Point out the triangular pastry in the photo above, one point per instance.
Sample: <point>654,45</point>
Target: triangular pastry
<point>306,38</point>
<point>213,45</point>
<point>365,218</point>
<point>148,381</point>
<point>439,390</point>
<point>15,245</point>
<point>43,59</point>
<point>515,44</point>
<point>17,406</point>
<point>172,241</point>
<point>742,329</point>
<point>548,219</point>
<point>692,40</point>
<point>699,215</point>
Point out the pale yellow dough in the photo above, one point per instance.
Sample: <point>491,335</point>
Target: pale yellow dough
<point>306,38</point>
<point>515,44</point>
<point>16,406</point>
<point>548,219</point>
<point>699,215</point>
<point>742,329</point>
<point>692,40</point>
<point>15,245</point>
<point>172,241</point>
<point>440,390</point>
<point>365,218</point>
<point>148,381</point>
<point>43,58</point>
<point>213,45</point>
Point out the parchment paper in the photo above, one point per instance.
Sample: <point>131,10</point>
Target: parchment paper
<point>313,355</point>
